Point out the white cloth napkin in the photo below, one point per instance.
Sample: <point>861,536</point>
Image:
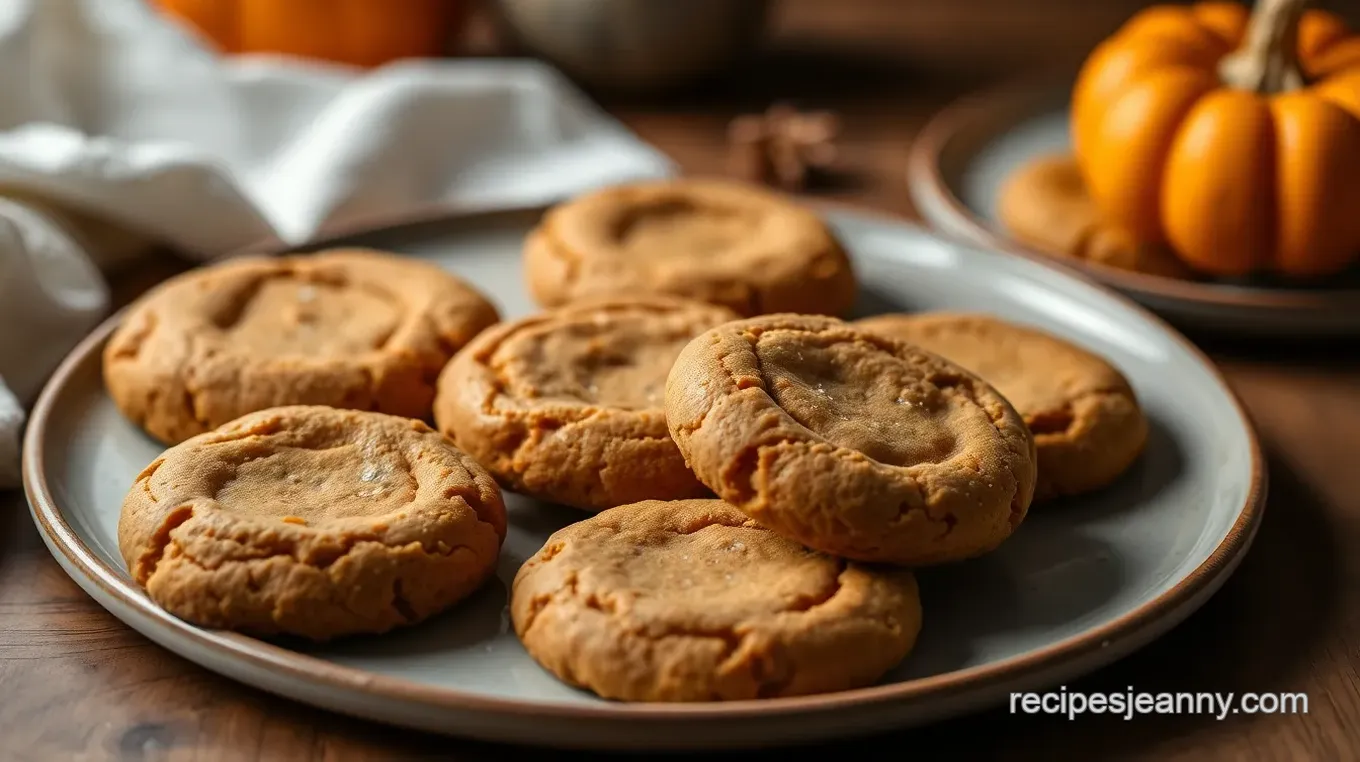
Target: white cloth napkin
<point>119,126</point>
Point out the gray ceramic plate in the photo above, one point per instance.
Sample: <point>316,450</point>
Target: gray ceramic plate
<point>1078,585</point>
<point>960,159</point>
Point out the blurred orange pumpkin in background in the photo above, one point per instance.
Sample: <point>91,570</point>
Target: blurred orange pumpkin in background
<point>1232,136</point>
<point>358,32</point>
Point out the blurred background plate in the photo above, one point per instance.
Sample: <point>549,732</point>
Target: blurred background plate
<point>632,45</point>
<point>1079,585</point>
<point>959,161</point>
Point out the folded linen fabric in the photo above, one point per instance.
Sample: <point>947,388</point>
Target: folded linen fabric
<point>119,127</point>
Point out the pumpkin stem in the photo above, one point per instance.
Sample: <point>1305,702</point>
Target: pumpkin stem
<point>1268,61</point>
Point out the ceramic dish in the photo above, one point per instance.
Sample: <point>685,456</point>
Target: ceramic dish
<point>961,158</point>
<point>1078,586</point>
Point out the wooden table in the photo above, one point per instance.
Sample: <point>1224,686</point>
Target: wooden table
<point>77,684</point>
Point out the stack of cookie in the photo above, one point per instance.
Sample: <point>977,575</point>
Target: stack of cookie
<point>756,476</point>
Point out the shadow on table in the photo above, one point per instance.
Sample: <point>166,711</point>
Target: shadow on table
<point>1337,353</point>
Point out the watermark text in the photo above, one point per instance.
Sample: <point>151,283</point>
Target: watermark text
<point>1131,703</point>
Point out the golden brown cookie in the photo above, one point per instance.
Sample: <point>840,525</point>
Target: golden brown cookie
<point>749,249</point>
<point>692,601</point>
<point>348,328</point>
<point>568,405</point>
<point>1045,204</point>
<point>849,442</point>
<point>312,521</point>
<point>1088,427</point>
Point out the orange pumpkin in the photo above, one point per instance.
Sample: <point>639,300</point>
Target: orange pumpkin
<point>1234,138</point>
<point>359,32</point>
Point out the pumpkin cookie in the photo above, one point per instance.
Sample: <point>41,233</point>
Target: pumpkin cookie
<point>692,601</point>
<point>1087,424</point>
<point>567,406</point>
<point>1045,205</point>
<point>347,328</point>
<point>743,247</point>
<point>312,521</point>
<point>849,442</point>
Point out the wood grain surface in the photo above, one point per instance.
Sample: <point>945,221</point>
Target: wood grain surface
<point>76,684</point>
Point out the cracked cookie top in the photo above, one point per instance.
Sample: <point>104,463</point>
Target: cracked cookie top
<point>850,442</point>
<point>567,405</point>
<point>691,601</point>
<point>1083,413</point>
<point>279,512</point>
<point>612,354</point>
<point>746,248</point>
<point>350,328</point>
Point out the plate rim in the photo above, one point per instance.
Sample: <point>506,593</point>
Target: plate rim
<point>58,534</point>
<point>937,203</point>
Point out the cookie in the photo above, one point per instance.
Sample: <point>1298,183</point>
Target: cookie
<point>1045,204</point>
<point>313,522</point>
<point>350,328</point>
<point>568,405</point>
<point>740,246</point>
<point>849,442</point>
<point>692,601</point>
<point>1087,424</point>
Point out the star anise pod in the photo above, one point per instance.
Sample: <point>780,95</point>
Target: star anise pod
<point>783,146</point>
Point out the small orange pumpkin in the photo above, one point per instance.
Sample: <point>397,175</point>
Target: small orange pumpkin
<point>1234,138</point>
<point>359,32</point>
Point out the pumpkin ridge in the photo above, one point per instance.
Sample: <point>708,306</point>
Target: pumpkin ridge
<point>1164,98</point>
<point>1316,198</point>
<point>1318,31</point>
<point>1169,25</point>
<point>1342,90</point>
<point>1227,20</point>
